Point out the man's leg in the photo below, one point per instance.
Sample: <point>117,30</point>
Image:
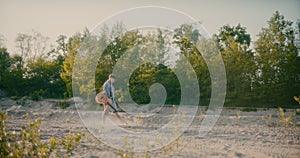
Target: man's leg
<point>105,111</point>
<point>115,111</point>
<point>119,118</point>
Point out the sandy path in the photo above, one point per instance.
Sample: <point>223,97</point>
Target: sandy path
<point>248,136</point>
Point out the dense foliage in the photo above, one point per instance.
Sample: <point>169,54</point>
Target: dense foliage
<point>266,74</point>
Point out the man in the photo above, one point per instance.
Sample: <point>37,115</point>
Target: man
<point>109,90</point>
<point>107,98</point>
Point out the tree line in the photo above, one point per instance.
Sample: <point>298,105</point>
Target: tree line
<point>261,73</point>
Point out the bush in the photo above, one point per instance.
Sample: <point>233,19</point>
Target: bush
<point>283,119</point>
<point>64,104</point>
<point>36,95</point>
<point>27,142</point>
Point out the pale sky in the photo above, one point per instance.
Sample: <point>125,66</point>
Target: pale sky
<point>66,17</point>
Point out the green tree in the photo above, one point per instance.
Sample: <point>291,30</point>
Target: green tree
<point>39,78</point>
<point>228,34</point>
<point>118,45</point>
<point>71,50</point>
<point>4,63</point>
<point>43,77</point>
<point>34,71</point>
<point>238,58</point>
<point>187,38</point>
<point>148,74</point>
<point>277,76</point>
<point>13,81</point>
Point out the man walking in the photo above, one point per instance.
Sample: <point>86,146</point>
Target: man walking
<point>107,98</point>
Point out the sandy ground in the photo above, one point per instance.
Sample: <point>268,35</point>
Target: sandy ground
<point>236,134</point>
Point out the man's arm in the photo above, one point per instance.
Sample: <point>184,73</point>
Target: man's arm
<point>107,88</point>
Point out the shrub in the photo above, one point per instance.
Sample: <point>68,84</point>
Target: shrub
<point>36,95</point>
<point>64,104</point>
<point>286,120</point>
<point>27,142</point>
